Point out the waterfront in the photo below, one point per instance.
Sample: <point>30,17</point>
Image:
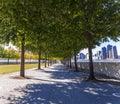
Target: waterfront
<point>96,60</point>
<point>6,61</point>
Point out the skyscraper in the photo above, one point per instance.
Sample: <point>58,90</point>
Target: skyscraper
<point>115,54</point>
<point>109,52</point>
<point>82,56</point>
<point>104,53</point>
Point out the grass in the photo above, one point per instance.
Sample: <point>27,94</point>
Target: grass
<point>5,69</point>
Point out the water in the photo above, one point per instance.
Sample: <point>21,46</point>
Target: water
<point>110,60</point>
<point>16,61</point>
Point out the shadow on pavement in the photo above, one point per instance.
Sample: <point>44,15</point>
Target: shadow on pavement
<point>69,93</point>
<point>73,92</point>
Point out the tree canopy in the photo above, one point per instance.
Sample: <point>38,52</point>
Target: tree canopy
<point>59,27</point>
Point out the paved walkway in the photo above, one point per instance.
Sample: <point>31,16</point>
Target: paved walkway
<point>56,85</point>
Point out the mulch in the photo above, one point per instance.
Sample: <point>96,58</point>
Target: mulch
<point>19,77</point>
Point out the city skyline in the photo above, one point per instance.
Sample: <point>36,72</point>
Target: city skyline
<point>117,44</point>
<point>108,52</point>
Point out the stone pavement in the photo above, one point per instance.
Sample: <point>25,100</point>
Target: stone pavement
<point>56,85</point>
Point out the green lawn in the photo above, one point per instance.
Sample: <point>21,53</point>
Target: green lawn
<point>4,69</point>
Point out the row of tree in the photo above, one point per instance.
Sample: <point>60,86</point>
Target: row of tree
<point>11,53</point>
<point>59,28</point>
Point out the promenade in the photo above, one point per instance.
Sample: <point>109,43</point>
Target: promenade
<point>56,85</point>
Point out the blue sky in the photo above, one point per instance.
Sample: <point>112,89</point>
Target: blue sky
<point>104,45</point>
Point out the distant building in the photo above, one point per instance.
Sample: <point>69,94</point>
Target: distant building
<point>87,56</point>
<point>104,53</point>
<point>109,52</point>
<point>82,56</point>
<point>98,55</point>
<point>118,57</point>
<point>115,54</point>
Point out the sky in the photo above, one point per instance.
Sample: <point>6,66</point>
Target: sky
<point>10,45</point>
<point>98,48</point>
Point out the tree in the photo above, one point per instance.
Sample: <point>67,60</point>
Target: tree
<point>10,53</point>
<point>96,24</point>
<point>94,21</point>
<point>67,25</point>
<point>3,52</point>
<point>16,16</point>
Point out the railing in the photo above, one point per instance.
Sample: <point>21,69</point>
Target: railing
<point>16,61</point>
<point>110,68</point>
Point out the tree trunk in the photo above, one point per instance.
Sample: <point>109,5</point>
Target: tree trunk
<point>22,66</point>
<point>51,62</point>
<point>39,58</point>
<point>45,59</point>
<point>70,61</point>
<point>48,61</point>
<point>70,64</point>
<point>91,75</point>
<point>75,60</point>
<point>8,60</point>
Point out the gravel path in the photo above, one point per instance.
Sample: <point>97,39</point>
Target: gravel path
<point>56,85</point>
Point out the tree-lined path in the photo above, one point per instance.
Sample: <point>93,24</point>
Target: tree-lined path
<point>56,85</point>
<point>58,29</point>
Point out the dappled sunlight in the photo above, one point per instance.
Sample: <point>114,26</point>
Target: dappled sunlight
<point>91,92</point>
<point>94,91</point>
<point>62,86</point>
<point>66,94</point>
